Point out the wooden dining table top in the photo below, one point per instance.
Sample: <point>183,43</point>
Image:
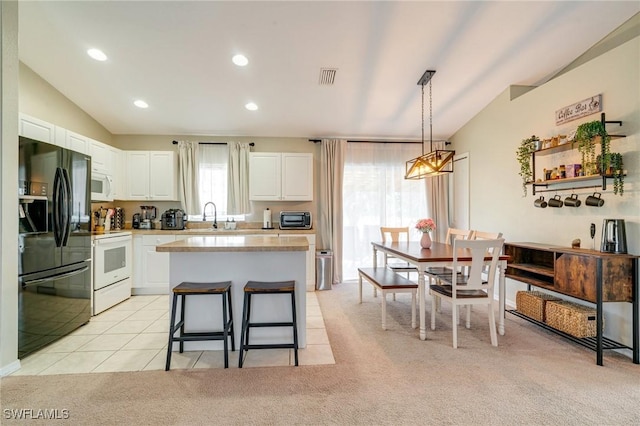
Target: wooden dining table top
<point>438,252</point>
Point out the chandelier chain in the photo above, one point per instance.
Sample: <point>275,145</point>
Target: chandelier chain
<point>422,119</point>
<point>430,119</point>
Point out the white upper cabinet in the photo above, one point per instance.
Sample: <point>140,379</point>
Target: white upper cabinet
<point>101,161</point>
<point>265,176</point>
<point>118,162</point>
<point>281,176</point>
<point>34,128</point>
<point>151,175</point>
<point>77,142</point>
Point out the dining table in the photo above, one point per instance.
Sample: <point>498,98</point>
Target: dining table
<point>439,254</point>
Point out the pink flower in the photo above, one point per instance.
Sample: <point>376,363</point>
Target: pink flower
<point>425,225</point>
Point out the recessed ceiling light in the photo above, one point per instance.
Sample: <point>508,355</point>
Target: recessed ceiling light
<point>141,104</point>
<point>240,60</point>
<point>251,106</point>
<point>97,54</point>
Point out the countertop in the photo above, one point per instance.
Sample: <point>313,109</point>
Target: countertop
<point>222,232</point>
<point>235,243</point>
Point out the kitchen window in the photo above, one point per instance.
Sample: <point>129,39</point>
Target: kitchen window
<point>376,194</point>
<point>212,183</point>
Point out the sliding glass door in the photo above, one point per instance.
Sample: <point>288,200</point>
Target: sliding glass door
<point>376,194</point>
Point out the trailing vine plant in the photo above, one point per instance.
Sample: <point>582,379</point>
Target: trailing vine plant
<point>616,165</point>
<point>523,154</point>
<point>585,136</point>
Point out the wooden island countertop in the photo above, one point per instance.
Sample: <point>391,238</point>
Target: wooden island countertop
<point>236,243</point>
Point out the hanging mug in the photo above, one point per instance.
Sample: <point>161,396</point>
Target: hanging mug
<point>594,200</point>
<point>556,201</point>
<point>572,201</point>
<point>540,202</point>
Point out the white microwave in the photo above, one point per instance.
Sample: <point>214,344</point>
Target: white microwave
<point>101,187</point>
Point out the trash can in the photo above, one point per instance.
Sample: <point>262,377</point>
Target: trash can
<point>324,269</point>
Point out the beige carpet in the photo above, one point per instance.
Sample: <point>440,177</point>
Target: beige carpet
<point>390,378</point>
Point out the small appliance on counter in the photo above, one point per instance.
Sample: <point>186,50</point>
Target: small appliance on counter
<point>614,237</point>
<point>147,216</point>
<point>173,219</point>
<point>135,223</point>
<point>295,220</point>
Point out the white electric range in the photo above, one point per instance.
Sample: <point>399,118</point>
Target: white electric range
<point>112,260</point>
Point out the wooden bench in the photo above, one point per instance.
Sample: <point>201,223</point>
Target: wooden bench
<point>387,281</point>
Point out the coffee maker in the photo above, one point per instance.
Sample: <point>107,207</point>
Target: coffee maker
<point>614,237</point>
<point>147,216</point>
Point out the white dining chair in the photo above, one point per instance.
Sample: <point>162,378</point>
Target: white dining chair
<point>469,289</point>
<point>394,235</point>
<point>480,235</point>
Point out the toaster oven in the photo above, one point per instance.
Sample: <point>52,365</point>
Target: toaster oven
<point>173,219</point>
<point>295,220</point>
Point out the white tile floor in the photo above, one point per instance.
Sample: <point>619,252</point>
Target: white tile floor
<point>132,336</point>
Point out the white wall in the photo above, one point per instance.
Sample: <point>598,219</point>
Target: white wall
<point>8,187</point>
<point>40,99</point>
<point>491,138</point>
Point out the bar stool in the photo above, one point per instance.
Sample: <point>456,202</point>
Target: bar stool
<point>258,287</point>
<point>185,289</point>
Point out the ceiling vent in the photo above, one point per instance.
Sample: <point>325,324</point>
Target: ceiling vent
<point>327,76</point>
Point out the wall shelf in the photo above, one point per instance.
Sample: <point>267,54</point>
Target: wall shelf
<point>581,182</point>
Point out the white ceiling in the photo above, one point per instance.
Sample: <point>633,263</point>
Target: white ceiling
<point>177,56</point>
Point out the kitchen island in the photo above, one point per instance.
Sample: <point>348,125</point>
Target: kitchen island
<point>240,259</point>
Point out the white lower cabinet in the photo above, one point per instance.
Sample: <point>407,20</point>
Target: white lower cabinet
<point>150,268</point>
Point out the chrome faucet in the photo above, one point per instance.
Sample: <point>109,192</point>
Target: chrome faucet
<point>215,214</point>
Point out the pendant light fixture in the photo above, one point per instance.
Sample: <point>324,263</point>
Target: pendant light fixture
<point>435,162</point>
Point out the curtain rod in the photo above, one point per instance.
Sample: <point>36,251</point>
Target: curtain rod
<point>213,143</point>
<point>356,141</point>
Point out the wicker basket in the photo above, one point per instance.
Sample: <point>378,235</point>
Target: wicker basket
<point>532,303</point>
<point>576,320</point>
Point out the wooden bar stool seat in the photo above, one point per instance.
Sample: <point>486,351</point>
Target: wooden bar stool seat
<point>258,287</point>
<point>185,289</point>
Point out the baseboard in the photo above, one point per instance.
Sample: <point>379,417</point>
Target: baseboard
<point>149,291</point>
<point>11,368</point>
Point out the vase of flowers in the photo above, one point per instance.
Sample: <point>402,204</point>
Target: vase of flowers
<point>425,226</point>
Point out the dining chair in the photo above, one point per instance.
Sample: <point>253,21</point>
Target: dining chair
<point>469,289</point>
<point>458,234</point>
<point>452,235</point>
<point>394,235</point>
<point>480,235</point>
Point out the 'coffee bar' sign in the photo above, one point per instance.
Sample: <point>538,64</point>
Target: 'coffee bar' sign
<point>583,108</point>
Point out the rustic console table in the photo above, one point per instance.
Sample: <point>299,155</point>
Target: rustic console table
<point>587,275</point>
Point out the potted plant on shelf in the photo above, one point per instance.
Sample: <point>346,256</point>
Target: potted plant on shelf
<point>586,136</point>
<point>523,154</point>
<point>616,166</point>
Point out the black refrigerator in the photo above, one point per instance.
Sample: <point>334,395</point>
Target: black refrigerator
<point>54,245</point>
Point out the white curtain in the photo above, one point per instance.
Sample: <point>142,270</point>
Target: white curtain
<point>213,176</point>
<point>188,153</point>
<point>332,155</point>
<point>238,178</point>
<point>376,194</point>
<point>437,189</point>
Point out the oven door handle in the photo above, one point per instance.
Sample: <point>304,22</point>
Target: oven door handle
<point>54,277</point>
<point>112,240</point>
